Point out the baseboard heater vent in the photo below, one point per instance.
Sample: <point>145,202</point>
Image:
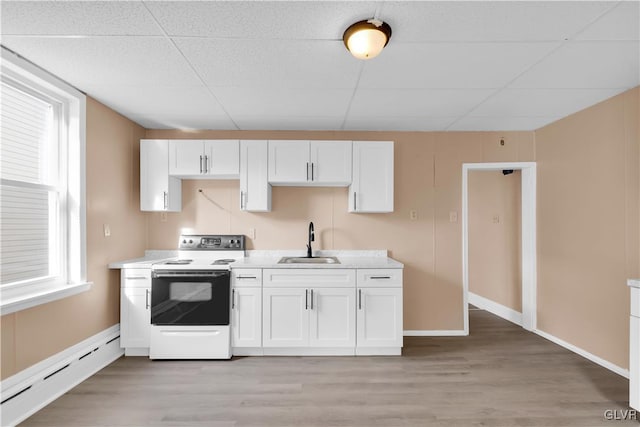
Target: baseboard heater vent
<point>35,387</point>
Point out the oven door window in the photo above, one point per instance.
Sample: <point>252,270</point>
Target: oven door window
<point>190,300</point>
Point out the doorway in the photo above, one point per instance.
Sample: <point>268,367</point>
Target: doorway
<point>527,237</point>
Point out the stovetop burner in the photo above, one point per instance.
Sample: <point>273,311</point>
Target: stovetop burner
<point>179,262</point>
<point>223,261</point>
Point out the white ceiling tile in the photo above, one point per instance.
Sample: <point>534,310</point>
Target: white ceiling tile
<point>541,102</point>
<point>288,122</point>
<point>317,20</point>
<point>500,123</point>
<point>77,18</point>
<point>283,102</point>
<point>117,61</point>
<point>157,100</point>
<point>586,65</point>
<point>489,20</point>
<point>177,121</point>
<point>387,123</point>
<point>451,65</point>
<point>621,23</point>
<point>272,63</point>
<point>416,102</point>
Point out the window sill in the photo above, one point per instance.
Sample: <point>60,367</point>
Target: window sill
<point>30,296</point>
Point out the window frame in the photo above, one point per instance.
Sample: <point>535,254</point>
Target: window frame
<point>71,111</point>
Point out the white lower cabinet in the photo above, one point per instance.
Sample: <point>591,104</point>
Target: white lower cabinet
<point>379,319</point>
<point>135,311</point>
<point>332,319</point>
<point>286,317</point>
<point>246,317</point>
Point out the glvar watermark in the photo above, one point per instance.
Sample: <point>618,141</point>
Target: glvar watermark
<point>621,415</point>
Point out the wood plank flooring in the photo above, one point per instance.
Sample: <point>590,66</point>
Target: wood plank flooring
<point>500,375</point>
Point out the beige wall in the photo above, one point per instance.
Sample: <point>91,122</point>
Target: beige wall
<point>494,237</point>
<point>32,335</point>
<point>427,178</point>
<point>588,225</point>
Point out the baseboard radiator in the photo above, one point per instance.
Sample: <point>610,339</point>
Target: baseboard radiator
<point>30,390</point>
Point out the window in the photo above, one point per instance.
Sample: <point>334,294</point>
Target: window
<point>41,186</point>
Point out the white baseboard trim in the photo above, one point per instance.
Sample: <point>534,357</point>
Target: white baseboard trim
<point>498,309</point>
<point>32,389</point>
<point>435,333</point>
<point>592,357</point>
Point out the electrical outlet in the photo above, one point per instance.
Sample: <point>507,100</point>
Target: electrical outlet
<point>107,230</point>
<point>163,217</point>
<point>252,233</point>
<point>413,214</point>
<point>496,219</point>
<point>453,216</point>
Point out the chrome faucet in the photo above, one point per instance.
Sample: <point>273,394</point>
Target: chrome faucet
<point>312,238</point>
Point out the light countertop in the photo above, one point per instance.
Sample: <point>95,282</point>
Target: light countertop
<point>635,283</point>
<point>269,259</point>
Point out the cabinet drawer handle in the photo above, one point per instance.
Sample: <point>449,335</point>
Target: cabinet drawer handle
<point>246,277</point>
<point>380,277</point>
<point>135,278</point>
<point>359,299</point>
<point>146,298</point>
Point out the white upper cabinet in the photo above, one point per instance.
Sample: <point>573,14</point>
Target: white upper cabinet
<point>255,190</point>
<point>326,163</point>
<point>195,158</point>
<point>158,190</point>
<point>331,162</point>
<point>372,187</point>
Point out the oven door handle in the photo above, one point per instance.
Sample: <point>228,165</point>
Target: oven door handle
<point>187,273</point>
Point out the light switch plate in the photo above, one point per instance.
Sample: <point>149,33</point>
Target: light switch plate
<point>453,216</point>
<point>413,214</point>
<point>106,229</point>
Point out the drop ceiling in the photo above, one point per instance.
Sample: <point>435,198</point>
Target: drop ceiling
<point>282,65</point>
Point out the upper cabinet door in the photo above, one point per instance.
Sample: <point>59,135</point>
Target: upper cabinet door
<point>289,162</point>
<point>331,162</point>
<point>255,191</point>
<point>186,157</point>
<point>222,158</point>
<point>158,190</point>
<point>372,187</point>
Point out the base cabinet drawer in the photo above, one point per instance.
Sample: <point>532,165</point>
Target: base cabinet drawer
<point>241,277</point>
<point>379,277</point>
<point>190,342</point>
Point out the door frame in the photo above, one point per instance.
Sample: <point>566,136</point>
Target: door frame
<point>528,237</point>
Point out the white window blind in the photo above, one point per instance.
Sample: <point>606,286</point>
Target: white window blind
<point>30,224</point>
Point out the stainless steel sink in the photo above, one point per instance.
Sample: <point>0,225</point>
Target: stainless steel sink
<point>312,260</point>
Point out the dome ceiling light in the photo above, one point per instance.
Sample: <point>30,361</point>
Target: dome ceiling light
<point>366,39</point>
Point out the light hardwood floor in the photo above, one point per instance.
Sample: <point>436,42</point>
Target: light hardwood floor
<point>500,375</point>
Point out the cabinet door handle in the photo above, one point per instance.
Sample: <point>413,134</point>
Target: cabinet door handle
<point>359,299</point>
<point>354,201</point>
<point>306,299</point>
<point>380,277</point>
<point>233,299</point>
<point>311,299</point>
<point>241,200</point>
<point>146,298</point>
<point>206,164</point>
<point>200,164</point>
<point>164,199</point>
<point>307,171</point>
<point>312,171</point>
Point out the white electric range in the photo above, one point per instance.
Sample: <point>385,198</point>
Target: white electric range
<point>191,296</point>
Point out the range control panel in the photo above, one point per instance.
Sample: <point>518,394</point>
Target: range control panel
<point>211,242</point>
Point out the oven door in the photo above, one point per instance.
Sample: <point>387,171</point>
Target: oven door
<point>190,298</point>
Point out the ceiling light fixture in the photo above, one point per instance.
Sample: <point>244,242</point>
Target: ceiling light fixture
<point>366,39</point>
